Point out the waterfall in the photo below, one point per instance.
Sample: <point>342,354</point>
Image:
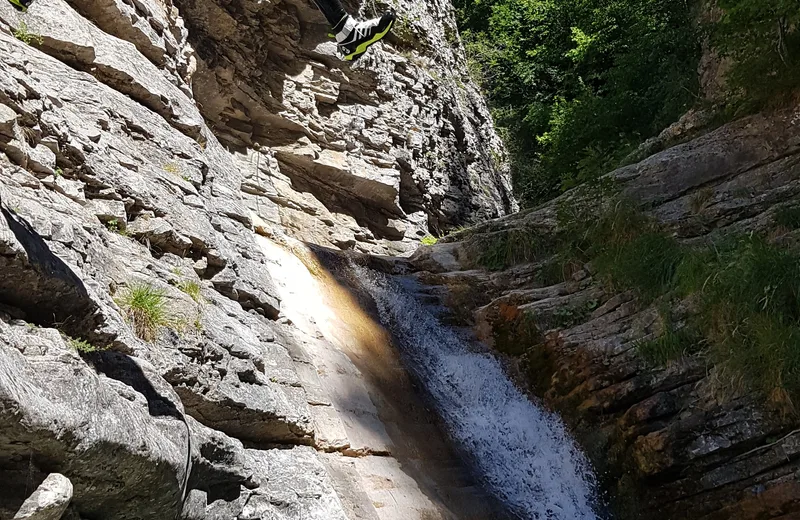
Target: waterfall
<point>522,452</point>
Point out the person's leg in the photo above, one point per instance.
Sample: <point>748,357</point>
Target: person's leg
<point>333,10</point>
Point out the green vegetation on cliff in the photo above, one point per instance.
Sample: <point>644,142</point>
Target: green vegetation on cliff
<point>577,85</point>
<point>145,308</point>
<point>762,39</point>
<point>743,292</point>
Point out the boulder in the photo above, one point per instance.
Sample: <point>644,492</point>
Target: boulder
<point>49,501</point>
<point>119,438</point>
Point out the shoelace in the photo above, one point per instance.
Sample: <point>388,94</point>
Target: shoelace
<point>361,31</point>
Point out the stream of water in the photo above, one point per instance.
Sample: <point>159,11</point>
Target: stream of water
<point>522,452</point>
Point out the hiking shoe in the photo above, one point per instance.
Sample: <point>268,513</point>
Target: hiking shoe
<point>21,5</point>
<point>356,37</point>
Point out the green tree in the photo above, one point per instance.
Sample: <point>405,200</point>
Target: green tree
<point>575,85</point>
<point>762,37</point>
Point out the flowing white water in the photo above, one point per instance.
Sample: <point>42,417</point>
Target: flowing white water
<point>522,452</point>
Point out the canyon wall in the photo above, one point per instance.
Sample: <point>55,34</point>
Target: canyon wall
<point>160,164</point>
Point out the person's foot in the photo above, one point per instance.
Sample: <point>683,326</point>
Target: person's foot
<point>21,5</point>
<point>354,38</point>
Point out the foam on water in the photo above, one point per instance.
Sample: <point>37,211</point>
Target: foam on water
<point>522,452</point>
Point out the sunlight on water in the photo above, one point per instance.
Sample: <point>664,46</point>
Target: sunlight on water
<point>523,453</point>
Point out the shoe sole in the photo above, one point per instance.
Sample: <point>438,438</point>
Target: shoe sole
<point>362,48</point>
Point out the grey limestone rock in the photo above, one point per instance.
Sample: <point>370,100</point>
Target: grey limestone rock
<point>49,501</point>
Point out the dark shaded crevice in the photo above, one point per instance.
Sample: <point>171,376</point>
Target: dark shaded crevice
<point>411,196</point>
<point>43,286</point>
<point>374,217</point>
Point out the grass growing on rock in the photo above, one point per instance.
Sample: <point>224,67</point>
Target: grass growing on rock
<point>749,294</point>
<point>26,36</point>
<point>508,248</point>
<point>675,342</point>
<point>429,240</point>
<point>172,167</point>
<point>788,217</point>
<point>83,346</point>
<point>115,227</point>
<point>627,249</point>
<point>645,264</point>
<point>145,308</point>
<point>744,291</point>
<point>192,289</point>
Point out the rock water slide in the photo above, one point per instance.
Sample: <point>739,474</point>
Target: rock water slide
<point>432,418</point>
<point>520,451</point>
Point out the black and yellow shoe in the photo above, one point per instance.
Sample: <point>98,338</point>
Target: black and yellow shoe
<point>21,5</point>
<point>354,38</point>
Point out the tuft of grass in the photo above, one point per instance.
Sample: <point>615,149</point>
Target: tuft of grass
<point>172,167</point>
<point>627,249</point>
<point>509,248</point>
<point>145,308</point>
<point>553,272</point>
<point>788,217</point>
<point>462,231</point>
<point>673,344</point>
<point>700,199</point>
<point>596,220</point>
<point>645,264</point>
<point>26,36</point>
<point>83,346</point>
<point>191,288</point>
<point>429,240</point>
<point>115,227</point>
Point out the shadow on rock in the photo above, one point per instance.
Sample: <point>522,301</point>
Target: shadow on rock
<point>124,369</point>
<point>39,283</point>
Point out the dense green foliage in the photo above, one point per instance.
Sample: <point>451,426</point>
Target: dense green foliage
<point>762,38</point>
<point>577,84</point>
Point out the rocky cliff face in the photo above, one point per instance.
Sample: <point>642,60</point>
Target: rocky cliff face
<point>149,349</point>
<point>667,441</point>
<point>376,155</point>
